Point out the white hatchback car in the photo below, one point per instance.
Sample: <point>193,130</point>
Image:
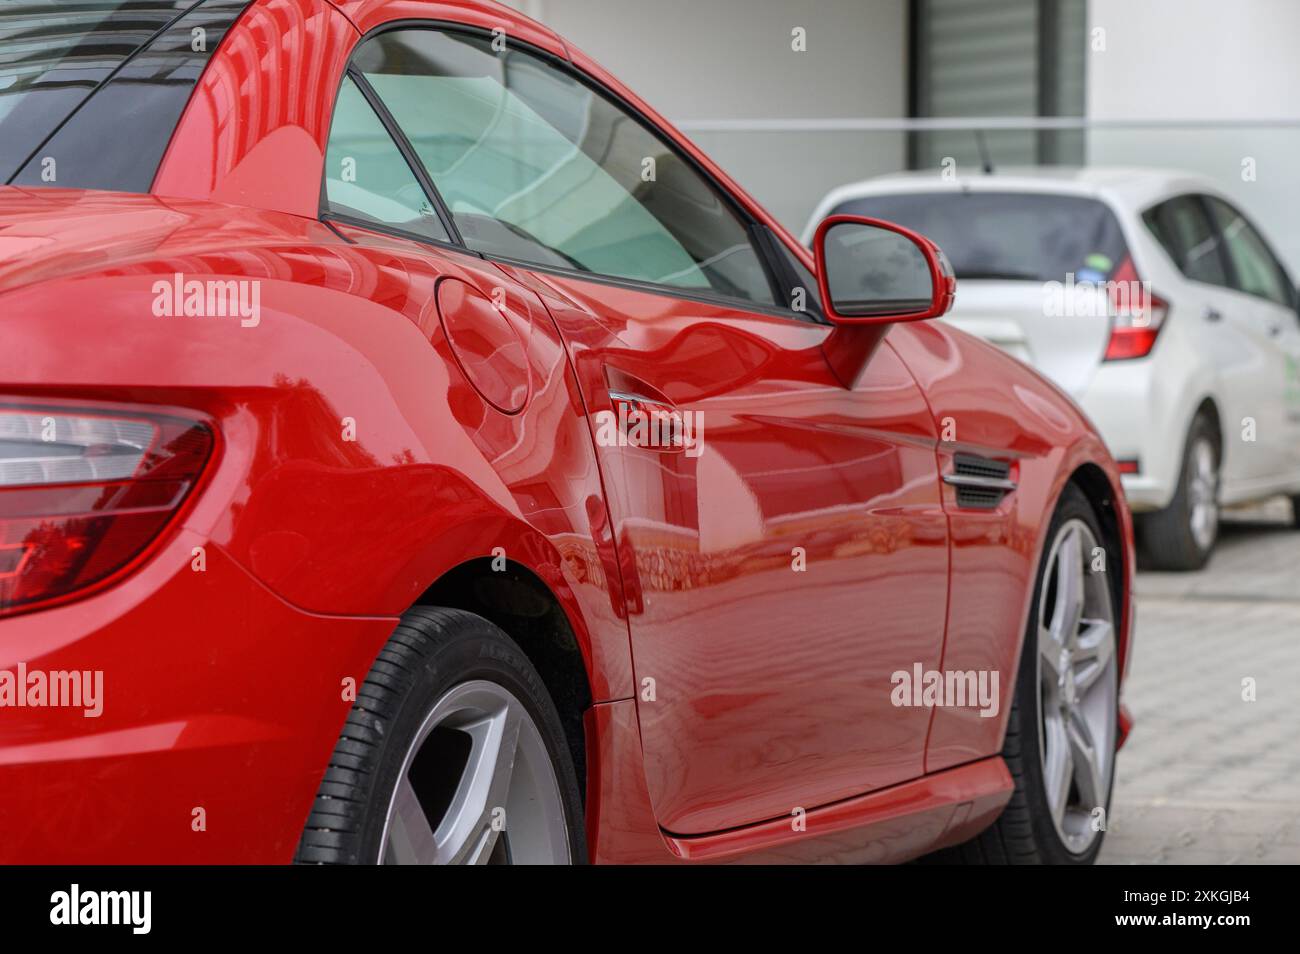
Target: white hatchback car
<point>1151,300</point>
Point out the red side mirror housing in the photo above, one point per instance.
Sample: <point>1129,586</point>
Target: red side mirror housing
<point>872,272</point>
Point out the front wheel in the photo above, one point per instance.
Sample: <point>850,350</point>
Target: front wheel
<point>1062,731</point>
<point>452,754</point>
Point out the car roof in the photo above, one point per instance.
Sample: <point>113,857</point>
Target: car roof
<point>366,15</point>
<point>1130,187</point>
<point>406,6</point>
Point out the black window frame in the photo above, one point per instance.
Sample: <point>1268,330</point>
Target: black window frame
<point>757,232</point>
<point>407,151</point>
<point>1158,211</point>
<point>1234,278</point>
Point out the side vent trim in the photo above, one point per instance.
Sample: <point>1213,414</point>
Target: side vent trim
<point>981,483</point>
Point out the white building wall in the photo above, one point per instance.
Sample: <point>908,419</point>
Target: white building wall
<point>1199,60</point>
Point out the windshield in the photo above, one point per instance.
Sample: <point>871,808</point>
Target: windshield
<point>1009,236</point>
<point>91,91</point>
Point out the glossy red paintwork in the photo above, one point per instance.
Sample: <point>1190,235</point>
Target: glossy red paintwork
<point>255,129</point>
<point>892,825</point>
<point>995,553</point>
<point>774,707</point>
<point>401,409</point>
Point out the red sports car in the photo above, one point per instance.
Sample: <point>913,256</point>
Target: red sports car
<point>412,449</point>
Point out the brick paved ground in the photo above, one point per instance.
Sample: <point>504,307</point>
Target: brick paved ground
<point>1206,777</point>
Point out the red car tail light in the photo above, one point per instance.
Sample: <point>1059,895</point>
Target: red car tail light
<point>84,492</point>
<point>1138,315</point>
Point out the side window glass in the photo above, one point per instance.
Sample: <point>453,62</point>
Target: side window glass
<point>366,176</point>
<point>1182,227</point>
<point>1255,270</point>
<point>535,166</point>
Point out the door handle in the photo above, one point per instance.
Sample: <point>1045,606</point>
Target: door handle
<point>640,421</point>
<point>1213,314</point>
<point>1274,329</point>
<point>639,401</point>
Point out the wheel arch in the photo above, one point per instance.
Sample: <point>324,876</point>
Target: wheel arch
<point>515,598</point>
<point>1096,487</point>
<point>1208,407</point>
<point>1117,536</point>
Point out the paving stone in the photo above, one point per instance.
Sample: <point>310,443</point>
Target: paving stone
<point>1207,778</point>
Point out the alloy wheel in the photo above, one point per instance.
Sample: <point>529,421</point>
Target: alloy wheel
<point>477,786</point>
<point>1078,685</point>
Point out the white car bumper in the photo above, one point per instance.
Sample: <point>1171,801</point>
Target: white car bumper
<point>1142,419</point>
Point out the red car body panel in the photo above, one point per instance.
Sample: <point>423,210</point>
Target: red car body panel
<point>474,434</point>
<point>891,825</point>
<point>263,106</point>
<point>741,728</point>
<point>996,552</point>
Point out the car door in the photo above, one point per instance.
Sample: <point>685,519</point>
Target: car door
<point>1263,289</point>
<point>1229,334</point>
<point>781,538</point>
<point>778,570</point>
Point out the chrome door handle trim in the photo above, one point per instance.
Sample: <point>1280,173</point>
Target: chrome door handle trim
<point>639,399</point>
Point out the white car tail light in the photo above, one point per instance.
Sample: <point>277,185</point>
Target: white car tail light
<point>1137,315</point>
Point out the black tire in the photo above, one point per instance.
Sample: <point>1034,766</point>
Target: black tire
<point>1024,833</point>
<point>431,651</point>
<point>1295,511</point>
<point>1166,535</point>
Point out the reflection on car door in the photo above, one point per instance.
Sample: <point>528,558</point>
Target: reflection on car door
<point>778,579</point>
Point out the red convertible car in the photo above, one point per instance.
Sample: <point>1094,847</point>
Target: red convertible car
<point>413,450</point>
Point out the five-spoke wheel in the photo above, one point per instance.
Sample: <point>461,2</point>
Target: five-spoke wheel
<point>476,787</point>
<point>454,753</point>
<point>1077,684</point>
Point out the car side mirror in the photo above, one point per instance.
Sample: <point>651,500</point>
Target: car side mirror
<point>872,272</point>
